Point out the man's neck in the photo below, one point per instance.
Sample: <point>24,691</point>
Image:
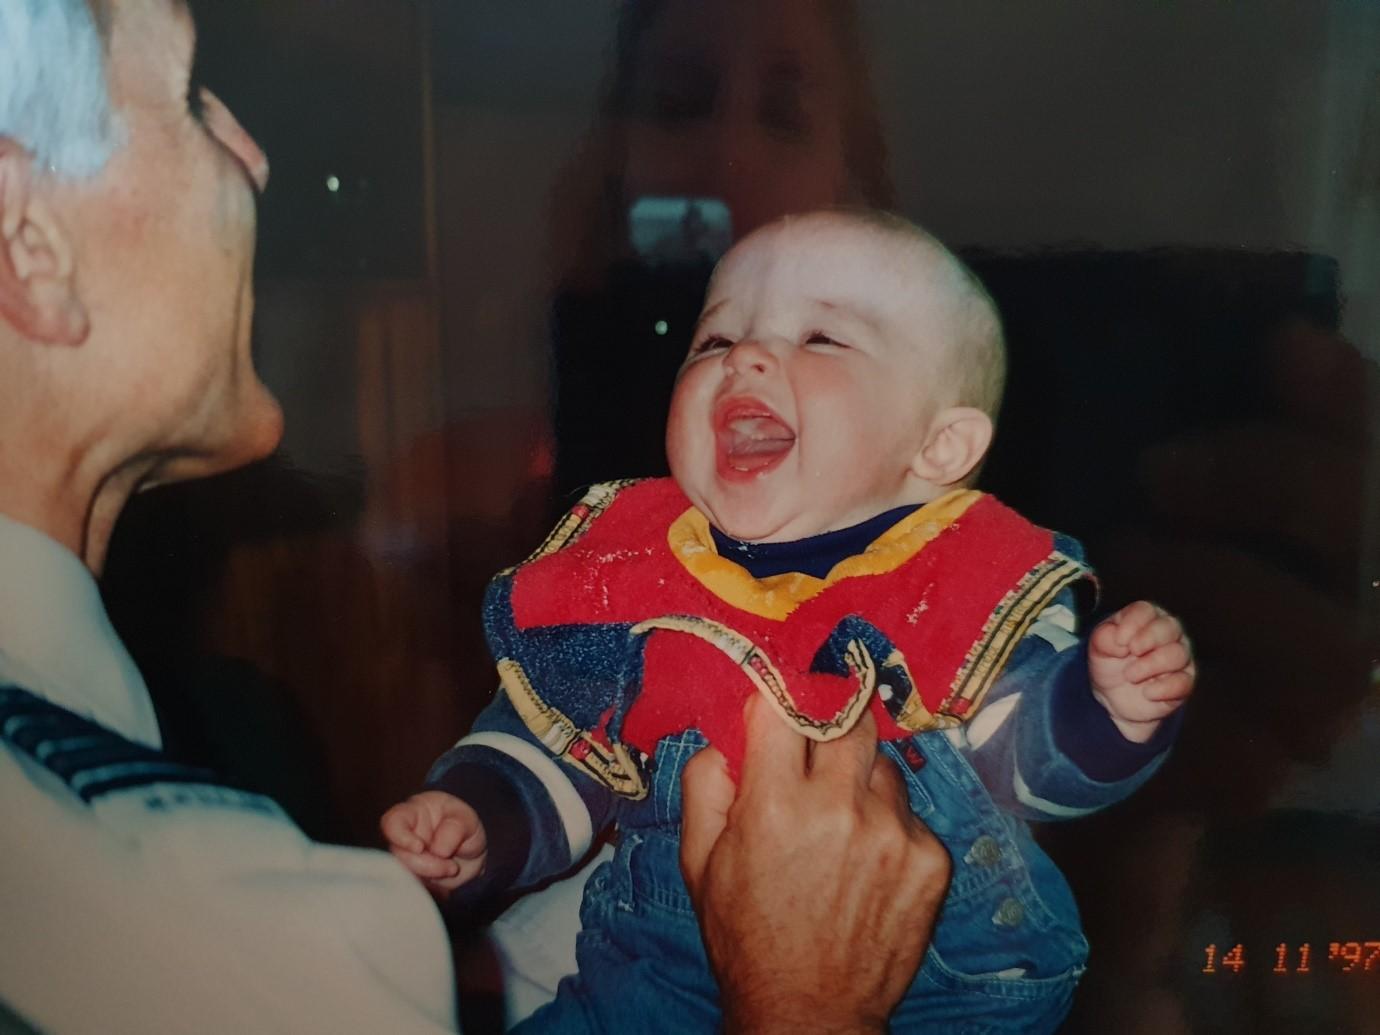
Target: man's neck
<point>74,509</point>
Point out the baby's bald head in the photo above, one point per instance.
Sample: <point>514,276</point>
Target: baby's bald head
<point>972,357</point>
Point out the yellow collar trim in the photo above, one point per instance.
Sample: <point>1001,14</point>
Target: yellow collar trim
<point>778,595</point>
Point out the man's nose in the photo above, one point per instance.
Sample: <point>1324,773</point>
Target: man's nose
<point>235,138</point>
<point>750,355</point>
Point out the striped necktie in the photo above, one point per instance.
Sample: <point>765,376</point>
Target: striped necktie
<point>89,758</point>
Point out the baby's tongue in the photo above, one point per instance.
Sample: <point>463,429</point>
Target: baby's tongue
<point>751,443</point>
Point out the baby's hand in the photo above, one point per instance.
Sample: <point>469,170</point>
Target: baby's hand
<point>438,837</point>
<point>1141,667</point>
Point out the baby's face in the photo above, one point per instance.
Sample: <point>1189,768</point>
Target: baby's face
<point>810,384</point>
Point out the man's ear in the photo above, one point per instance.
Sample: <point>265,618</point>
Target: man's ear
<point>38,296</point>
<point>957,442</point>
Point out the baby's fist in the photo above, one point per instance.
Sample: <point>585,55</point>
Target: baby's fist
<point>1141,667</point>
<point>438,837</point>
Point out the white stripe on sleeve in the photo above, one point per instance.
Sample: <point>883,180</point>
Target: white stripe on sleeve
<point>1049,808</point>
<point>990,719</point>
<point>579,832</point>
<point>1055,625</point>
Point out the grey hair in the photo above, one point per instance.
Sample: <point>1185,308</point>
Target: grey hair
<point>54,98</point>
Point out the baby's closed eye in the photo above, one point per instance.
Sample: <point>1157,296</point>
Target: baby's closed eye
<point>819,338</point>
<point>712,343</point>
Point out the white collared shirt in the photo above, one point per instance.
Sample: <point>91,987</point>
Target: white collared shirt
<point>176,907</point>
<point>57,641</point>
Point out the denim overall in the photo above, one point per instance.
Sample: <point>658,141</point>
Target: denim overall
<point>1006,954</point>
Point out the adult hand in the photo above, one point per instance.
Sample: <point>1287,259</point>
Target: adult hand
<point>815,886</point>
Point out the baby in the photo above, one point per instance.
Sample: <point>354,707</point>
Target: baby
<point>818,544</point>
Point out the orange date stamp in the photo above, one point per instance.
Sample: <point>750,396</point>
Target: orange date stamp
<point>1361,957</point>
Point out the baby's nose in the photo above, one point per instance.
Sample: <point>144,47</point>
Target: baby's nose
<point>750,354</point>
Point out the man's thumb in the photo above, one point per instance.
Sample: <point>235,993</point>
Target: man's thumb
<point>707,794</point>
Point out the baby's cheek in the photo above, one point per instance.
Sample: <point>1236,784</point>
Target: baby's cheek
<point>680,424</point>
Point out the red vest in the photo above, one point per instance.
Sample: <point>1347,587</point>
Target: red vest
<point>920,623</point>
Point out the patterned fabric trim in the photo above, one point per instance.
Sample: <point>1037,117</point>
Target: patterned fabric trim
<point>768,679</point>
<point>576,522</point>
<point>616,766</point>
<point>89,758</point>
<point>1008,624</point>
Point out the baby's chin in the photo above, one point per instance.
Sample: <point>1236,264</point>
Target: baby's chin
<point>764,528</point>
<point>763,512</point>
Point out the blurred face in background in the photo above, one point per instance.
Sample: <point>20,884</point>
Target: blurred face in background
<point>740,101</point>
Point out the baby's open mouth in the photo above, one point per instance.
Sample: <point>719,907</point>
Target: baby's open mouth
<point>751,438</point>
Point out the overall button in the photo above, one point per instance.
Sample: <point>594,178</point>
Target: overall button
<point>985,851</point>
<point>1009,914</point>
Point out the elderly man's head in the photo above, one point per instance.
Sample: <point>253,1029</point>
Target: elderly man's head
<point>127,211</point>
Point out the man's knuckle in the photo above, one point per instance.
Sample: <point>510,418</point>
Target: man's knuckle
<point>841,823</point>
<point>929,855</point>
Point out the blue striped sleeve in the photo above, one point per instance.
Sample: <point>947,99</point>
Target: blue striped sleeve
<point>540,815</point>
<point>1038,745</point>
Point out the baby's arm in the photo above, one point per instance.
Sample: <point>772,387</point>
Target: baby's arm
<point>438,837</point>
<point>536,815</point>
<point>1042,743</point>
<point>1141,667</point>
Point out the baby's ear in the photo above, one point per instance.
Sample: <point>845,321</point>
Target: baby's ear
<point>957,442</point>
